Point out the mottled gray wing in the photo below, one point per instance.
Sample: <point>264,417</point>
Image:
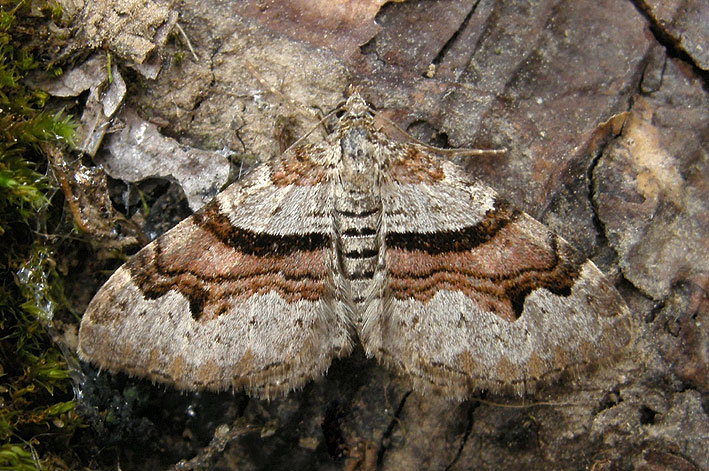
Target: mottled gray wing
<point>237,295</point>
<point>479,295</point>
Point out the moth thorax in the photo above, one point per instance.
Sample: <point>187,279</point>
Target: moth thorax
<point>358,159</point>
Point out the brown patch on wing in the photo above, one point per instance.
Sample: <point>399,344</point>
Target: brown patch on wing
<point>177,368</point>
<point>415,167</point>
<point>505,371</point>
<point>561,356</point>
<point>245,362</point>
<point>467,363</point>
<point>206,373</point>
<point>298,168</point>
<point>153,361</point>
<point>497,273</point>
<point>212,264</point>
<point>535,366</point>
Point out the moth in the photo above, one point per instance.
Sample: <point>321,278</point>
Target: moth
<point>355,238</point>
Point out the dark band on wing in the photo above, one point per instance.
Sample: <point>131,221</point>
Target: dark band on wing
<point>260,244</point>
<point>459,240</point>
<point>502,293</point>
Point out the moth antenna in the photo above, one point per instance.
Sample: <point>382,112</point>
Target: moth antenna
<point>310,131</point>
<point>439,150</point>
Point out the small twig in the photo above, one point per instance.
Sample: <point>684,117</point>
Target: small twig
<point>187,40</point>
<point>526,406</point>
<point>109,74</point>
<point>223,435</point>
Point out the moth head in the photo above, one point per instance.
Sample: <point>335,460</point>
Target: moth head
<point>356,106</point>
<point>356,109</point>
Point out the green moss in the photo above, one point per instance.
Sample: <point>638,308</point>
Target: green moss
<point>36,395</point>
<point>178,57</point>
<point>16,458</point>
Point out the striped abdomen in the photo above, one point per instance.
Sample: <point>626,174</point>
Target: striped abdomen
<point>357,223</point>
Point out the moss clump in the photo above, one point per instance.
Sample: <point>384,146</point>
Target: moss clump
<point>36,396</point>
